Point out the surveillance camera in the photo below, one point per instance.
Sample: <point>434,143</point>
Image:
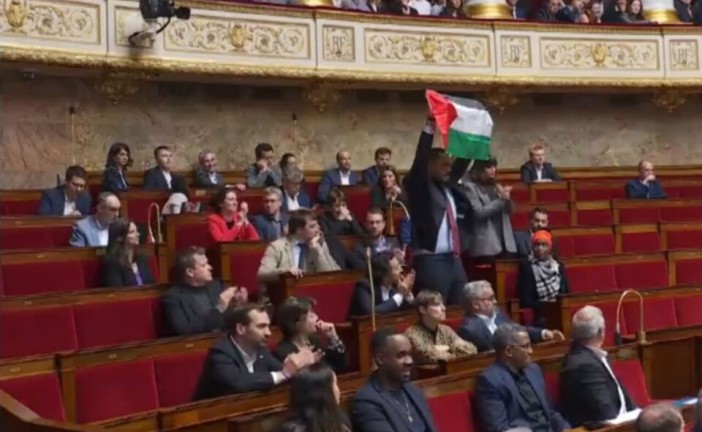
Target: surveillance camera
<point>152,9</point>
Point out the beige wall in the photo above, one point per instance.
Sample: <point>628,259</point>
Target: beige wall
<point>581,131</point>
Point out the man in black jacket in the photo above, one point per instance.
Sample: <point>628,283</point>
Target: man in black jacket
<point>536,169</point>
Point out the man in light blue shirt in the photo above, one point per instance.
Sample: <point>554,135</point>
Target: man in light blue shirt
<point>92,231</point>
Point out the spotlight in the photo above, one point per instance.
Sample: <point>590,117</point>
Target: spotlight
<point>153,9</point>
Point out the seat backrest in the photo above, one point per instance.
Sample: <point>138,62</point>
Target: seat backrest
<point>643,274</point>
<point>595,244</point>
<point>37,331</point>
<point>631,376</point>
<point>688,271</point>
<point>244,259</point>
<point>641,242</point>
<point>43,277</point>
<point>452,412</point>
<point>114,323</point>
<point>333,298</point>
<point>553,389</point>
<point>591,278</point>
<point>177,377</point>
<point>41,393</point>
<point>659,313</point>
<point>688,310</point>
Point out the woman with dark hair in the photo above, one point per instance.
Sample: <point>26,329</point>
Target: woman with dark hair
<point>114,177</point>
<point>314,402</point>
<point>387,189</point>
<point>337,219</point>
<point>453,9</point>
<point>288,161</point>
<point>124,265</point>
<point>230,222</point>
<point>301,328</point>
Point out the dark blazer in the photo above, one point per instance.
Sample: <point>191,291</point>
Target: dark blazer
<point>114,274</point>
<point>332,226</point>
<point>224,372</point>
<point>373,410</point>
<point>391,243</point>
<point>303,198</point>
<point>53,200</point>
<point>202,179</point>
<point>522,239</point>
<point>381,201</point>
<point>180,314</point>
<point>528,172</point>
<point>683,12</point>
<point>332,179</point>
<point>155,180</point>
<point>637,190</point>
<point>370,175</point>
<point>473,329</point>
<point>337,360</point>
<point>345,258</point>
<point>500,406</point>
<point>427,201</point>
<point>526,289</point>
<point>698,425</point>
<point>113,180</point>
<point>265,229</point>
<point>361,300</point>
<point>588,393</point>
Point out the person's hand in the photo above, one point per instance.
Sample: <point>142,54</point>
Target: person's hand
<point>504,192</point>
<point>650,178</point>
<point>315,242</point>
<point>262,165</point>
<point>240,187</point>
<point>241,296</point>
<point>345,214</point>
<point>296,272</point>
<point>75,213</point>
<point>243,214</point>
<point>548,335</point>
<point>407,283</point>
<point>294,362</point>
<point>327,328</point>
<point>225,298</point>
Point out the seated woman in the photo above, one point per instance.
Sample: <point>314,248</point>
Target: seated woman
<point>124,265</point>
<point>388,191</point>
<point>392,289</point>
<point>229,222</point>
<point>114,177</point>
<point>541,278</point>
<point>301,326</point>
<point>338,220</point>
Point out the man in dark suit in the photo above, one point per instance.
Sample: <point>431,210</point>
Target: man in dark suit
<point>512,392</point>
<point>441,217</point>
<point>295,196</point>
<point>206,175</point>
<point>660,417</point>
<point>538,220</point>
<point>197,303</point>
<point>389,402</point>
<point>272,223</point>
<point>161,177</point>
<point>483,317</point>
<point>371,174</point>
<point>393,290</point>
<point>69,199</point>
<point>339,176</point>
<point>375,238</point>
<point>537,170</point>
<point>241,362</point>
<point>646,186</point>
<point>590,393</point>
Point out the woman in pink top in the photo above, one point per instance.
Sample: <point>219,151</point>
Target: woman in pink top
<point>230,222</point>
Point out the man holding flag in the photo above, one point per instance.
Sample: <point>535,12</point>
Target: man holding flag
<point>439,209</point>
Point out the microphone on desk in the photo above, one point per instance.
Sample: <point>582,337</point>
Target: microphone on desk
<point>369,254</point>
<point>391,219</point>
<point>151,239</point>
<point>641,336</point>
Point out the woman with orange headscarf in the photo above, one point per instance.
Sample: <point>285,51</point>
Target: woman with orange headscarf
<point>541,277</point>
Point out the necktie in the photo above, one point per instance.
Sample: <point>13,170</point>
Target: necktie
<point>453,228</point>
<point>303,256</point>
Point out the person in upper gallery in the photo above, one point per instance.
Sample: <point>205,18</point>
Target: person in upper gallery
<point>660,417</point>
<point>295,196</point>
<point>230,221</point>
<point>511,392</point>
<point>536,169</point>
<point>590,393</point>
<point>401,7</point>
<point>645,186</point>
<point>160,177</point>
<point>196,303</point>
<point>431,340</point>
<point>91,231</point>
<point>302,251</point>
<point>538,220</point>
<point>301,328</point>
<point>389,402</point>
<point>241,362</point>
<point>114,177</point>
<point>440,214</point>
<point>516,11</point>
<point>371,175</point>
<point>541,278</point>
<point>337,219</point>
<point>339,176</point>
<point>272,223</point>
<point>375,239</point>
<point>492,208</point>
<point>482,317</point>
<point>453,9</point>
<point>124,265</point>
<point>264,172</point>
<point>393,289</point>
<point>70,199</point>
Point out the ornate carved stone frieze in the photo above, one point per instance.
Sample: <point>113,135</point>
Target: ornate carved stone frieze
<point>322,95</point>
<point>116,86</point>
<point>339,44</point>
<point>567,53</point>
<point>669,100</point>
<point>515,52</point>
<point>51,20</point>
<point>684,54</point>
<point>501,98</point>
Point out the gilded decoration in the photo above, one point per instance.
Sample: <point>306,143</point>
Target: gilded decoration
<point>561,53</point>
<point>322,95</point>
<point>500,98</point>
<point>116,86</point>
<point>515,52</point>
<point>338,43</point>
<point>34,19</point>
<point>445,49</point>
<point>684,55</point>
<point>668,100</point>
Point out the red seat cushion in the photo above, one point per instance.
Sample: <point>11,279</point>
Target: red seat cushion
<point>631,377</point>
<point>177,377</point>
<point>454,323</point>
<point>594,244</point>
<point>452,412</point>
<point>187,235</point>
<point>92,273</point>
<point>688,271</point>
<point>565,246</point>
<point>37,331</point>
<point>19,207</point>
<point>639,215</point>
<point>559,218</point>
<point>138,208</point>
<point>645,274</point>
<point>688,310</point>
<point>642,242</point>
<point>27,238</point>
<point>553,389</point>
<point>526,316</point>
<point>511,284</point>
<point>244,264</point>
<point>358,201</point>
<point>658,314</point>
<point>681,214</point>
<point>333,298</point>
<point>552,195</point>
<point>114,390</point>
<point>687,239</point>
<point>42,277</point>
<point>114,323</point>
<point>40,393</point>
<point>591,278</point>
<point>601,217</point>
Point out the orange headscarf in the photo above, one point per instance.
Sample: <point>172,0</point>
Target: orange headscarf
<point>542,236</point>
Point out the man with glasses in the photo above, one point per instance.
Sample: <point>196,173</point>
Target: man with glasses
<point>482,317</point>
<point>272,223</point>
<point>294,195</point>
<point>511,392</point>
<point>71,199</point>
<point>92,231</point>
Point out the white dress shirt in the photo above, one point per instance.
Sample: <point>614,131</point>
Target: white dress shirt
<point>68,206</point>
<point>489,322</point>
<point>292,202</point>
<point>602,355</point>
<point>213,177</point>
<point>385,295</point>
<point>249,361</point>
<point>539,173</point>
<point>444,241</point>
<point>104,237</point>
<point>169,178</point>
<point>345,178</point>
<point>423,6</point>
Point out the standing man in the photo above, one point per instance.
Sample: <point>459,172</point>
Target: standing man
<point>646,186</point>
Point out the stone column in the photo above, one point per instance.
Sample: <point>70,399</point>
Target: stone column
<point>660,11</point>
<point>487,9</point>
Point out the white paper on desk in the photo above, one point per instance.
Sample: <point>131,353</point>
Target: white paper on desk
<point>624,418</point>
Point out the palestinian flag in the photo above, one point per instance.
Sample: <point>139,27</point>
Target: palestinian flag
<point>465,124</point>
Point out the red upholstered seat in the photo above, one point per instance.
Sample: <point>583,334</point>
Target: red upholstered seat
<point>590,278</point>
<point>40,393</point>
<point>594,244</point>
<point>177,377</point>
<point>92,273</point>
<point>559,218</point>
<point>688,310</point>
<point>552,195</point>
<point>526,316</point>
<point>631,376</point>
<point>139,208</point>
<point>244,264</point>
<point>28,238</point>
<point>603,193</point>
<point>332,299</point>
<point>565,246</point>
<point>688,271</point>
<point>645,274</point>
<point>511,284</point>
<point>595,217</point>
<point>685,191</point>
<point>681,214</point>
<point>114,323</point>
<point>19,207</point>
<point>553,390</point>
<point>658,314</point>
<point>639,215</point>
<point>521,194</point>
<point>520,220</point>
<point>153,265</point>
<point>358,200</point>
<point>42,277</point>
<point>684,239</point>
<point>37,331</point>
<point>187,235</point>
<point>454,323</point>
<point>453,412</point>
<point>114,390</point>
<point>642,242</point>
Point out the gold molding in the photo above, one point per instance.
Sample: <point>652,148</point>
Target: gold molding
<point>488,11</point>
<point>501,98</point>
<point>662,16</point>
<point>669,100</point>
<point>116,86</point>
<point>322,95</point>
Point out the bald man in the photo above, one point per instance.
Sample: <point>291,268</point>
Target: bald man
<point>660,417</point>
<point>92,231</point>
<point>339,176</point>
<point>645,186</point>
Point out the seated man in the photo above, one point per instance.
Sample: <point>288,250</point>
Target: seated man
<point>483,317</point>
<point>375,238</point>
<point>431,340</point>
<point>295,196</point>
<point>339,176</point>
<point>161,177</point>
<point>272,223</point>
<point>264,172</point>
<point>93,231</point>
<point>197,303</point>
<point>538,220</point>
<point>393,290</point>
<point>69,199</point>
<point>371,174</point>
<point>389,402</point>
<point>206,174</point>
<point>645,186</point>
<point>660,417</point>
<point>590,392</point>
<point>241,362</point>
<point>537,170</point>
<point>512,392</point>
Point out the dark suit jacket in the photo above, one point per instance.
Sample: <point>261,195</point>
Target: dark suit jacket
<point>391,243</point>
<point>370,175</point>
<point>202,179</point>
<point>683,13</point>
<point>155,180</point>
<point>332,226</point>
<point>526,289</point>
<point>588,393</point>
<point>474,330</point>
<point>528,172</point>
<point>335,359</point>
<point>427,201</point>
<point>180,315</point>
<point>332,179</point>
<point>345,258</point>
<point>264,227</point>
<point>522,239</point>
<point>53,200</point>
<point>114,181</point>
<point>225,372</point>
<point>361,300</point>
<point>637,190</point>
<point>373,410</point>
<point>500,406</point>
<point>303,198</point>
<point>381,201</point>
<point>114,274</point>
